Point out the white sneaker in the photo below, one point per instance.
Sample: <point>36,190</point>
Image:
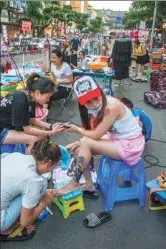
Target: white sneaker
<point>137,78</point>
<point>143,78</point>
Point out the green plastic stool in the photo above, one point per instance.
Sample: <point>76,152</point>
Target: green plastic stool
<point>70,202</point>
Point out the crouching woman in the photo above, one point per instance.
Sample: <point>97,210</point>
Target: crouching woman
<point>24,191</point>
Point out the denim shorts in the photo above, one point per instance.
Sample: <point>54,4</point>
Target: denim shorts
<point>3,135</point>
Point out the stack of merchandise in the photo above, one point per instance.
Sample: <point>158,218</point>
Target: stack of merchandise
<point>163,67</point>
<point>6,62</point>
<point>158,81</point>
<point>157,96</point>
<point>156,60</point>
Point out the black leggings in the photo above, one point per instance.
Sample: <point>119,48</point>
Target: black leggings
<point>61,93</point>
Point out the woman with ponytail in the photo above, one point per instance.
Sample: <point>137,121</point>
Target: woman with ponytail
<point>24,191</point>
<point>109,129</point>
<point>17,113</point>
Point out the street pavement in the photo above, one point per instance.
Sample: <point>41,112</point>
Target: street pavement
<point>131,226</point>
<point>28,58</point>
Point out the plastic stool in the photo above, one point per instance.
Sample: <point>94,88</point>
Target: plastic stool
<point>9,148</point>
<point>70,202</point>
<point>109,170</point>
<point>20,148</point>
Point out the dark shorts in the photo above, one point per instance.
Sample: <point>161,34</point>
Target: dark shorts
<point>142,60</point>
<point>9,148</point>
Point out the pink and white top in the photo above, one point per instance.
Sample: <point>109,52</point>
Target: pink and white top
<point>85,43</point>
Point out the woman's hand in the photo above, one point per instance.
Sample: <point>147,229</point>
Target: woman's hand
<point>72,147</point>
<point>52,77</point>
<point>57,128</point>
<point>56,124</point>
<point>49,195</point>
<point>72,128</point>
<point>57,83</point>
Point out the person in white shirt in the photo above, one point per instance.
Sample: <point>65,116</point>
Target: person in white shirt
<point>23,190</point>
<point>61,74</point>
<point>83,63</point>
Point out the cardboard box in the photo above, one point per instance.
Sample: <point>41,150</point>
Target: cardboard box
<point>156,55</point>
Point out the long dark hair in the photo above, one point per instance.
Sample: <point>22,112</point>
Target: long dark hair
<point>59,54</point>
<point>43,84</point>
<point>85,116</point>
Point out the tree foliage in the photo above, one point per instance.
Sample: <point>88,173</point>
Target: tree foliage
<point>40,13</point>
<point>96,25</point>
<point>3,5</point>
<point>45,13</point>
<point>81,21</point>
<point>143,11</point>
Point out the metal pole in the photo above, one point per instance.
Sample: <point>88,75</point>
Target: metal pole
<point>153,26</point>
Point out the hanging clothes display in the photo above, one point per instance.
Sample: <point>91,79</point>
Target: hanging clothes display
<point>121,56</point>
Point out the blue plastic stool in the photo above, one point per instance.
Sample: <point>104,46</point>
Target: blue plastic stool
<point>9,148</point>
<point>109,170</point>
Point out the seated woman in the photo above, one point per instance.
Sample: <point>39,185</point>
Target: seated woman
<point>82,64</point>
<point>24,191</point>
<point>17,113</point>
<point>109,129</point>
<point>62,76</point>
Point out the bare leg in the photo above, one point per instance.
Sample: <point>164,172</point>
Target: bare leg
<point>20,137</point>
<point>142,70</point>
<point>136,70</point>
<point>87,147</point>
<point>89,186</point>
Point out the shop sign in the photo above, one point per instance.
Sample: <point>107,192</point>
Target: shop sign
<point>26,26</point>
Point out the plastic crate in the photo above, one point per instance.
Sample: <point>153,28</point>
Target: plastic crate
<point>96,66</point>
<point>104,58</point>
<point>155,66</point>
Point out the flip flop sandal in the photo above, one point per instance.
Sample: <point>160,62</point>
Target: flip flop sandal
<point>12,237</point>
<point>90,194</point>
<point>93,220</point>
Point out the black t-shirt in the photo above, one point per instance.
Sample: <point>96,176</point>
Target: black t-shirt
<point>16,110</point>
